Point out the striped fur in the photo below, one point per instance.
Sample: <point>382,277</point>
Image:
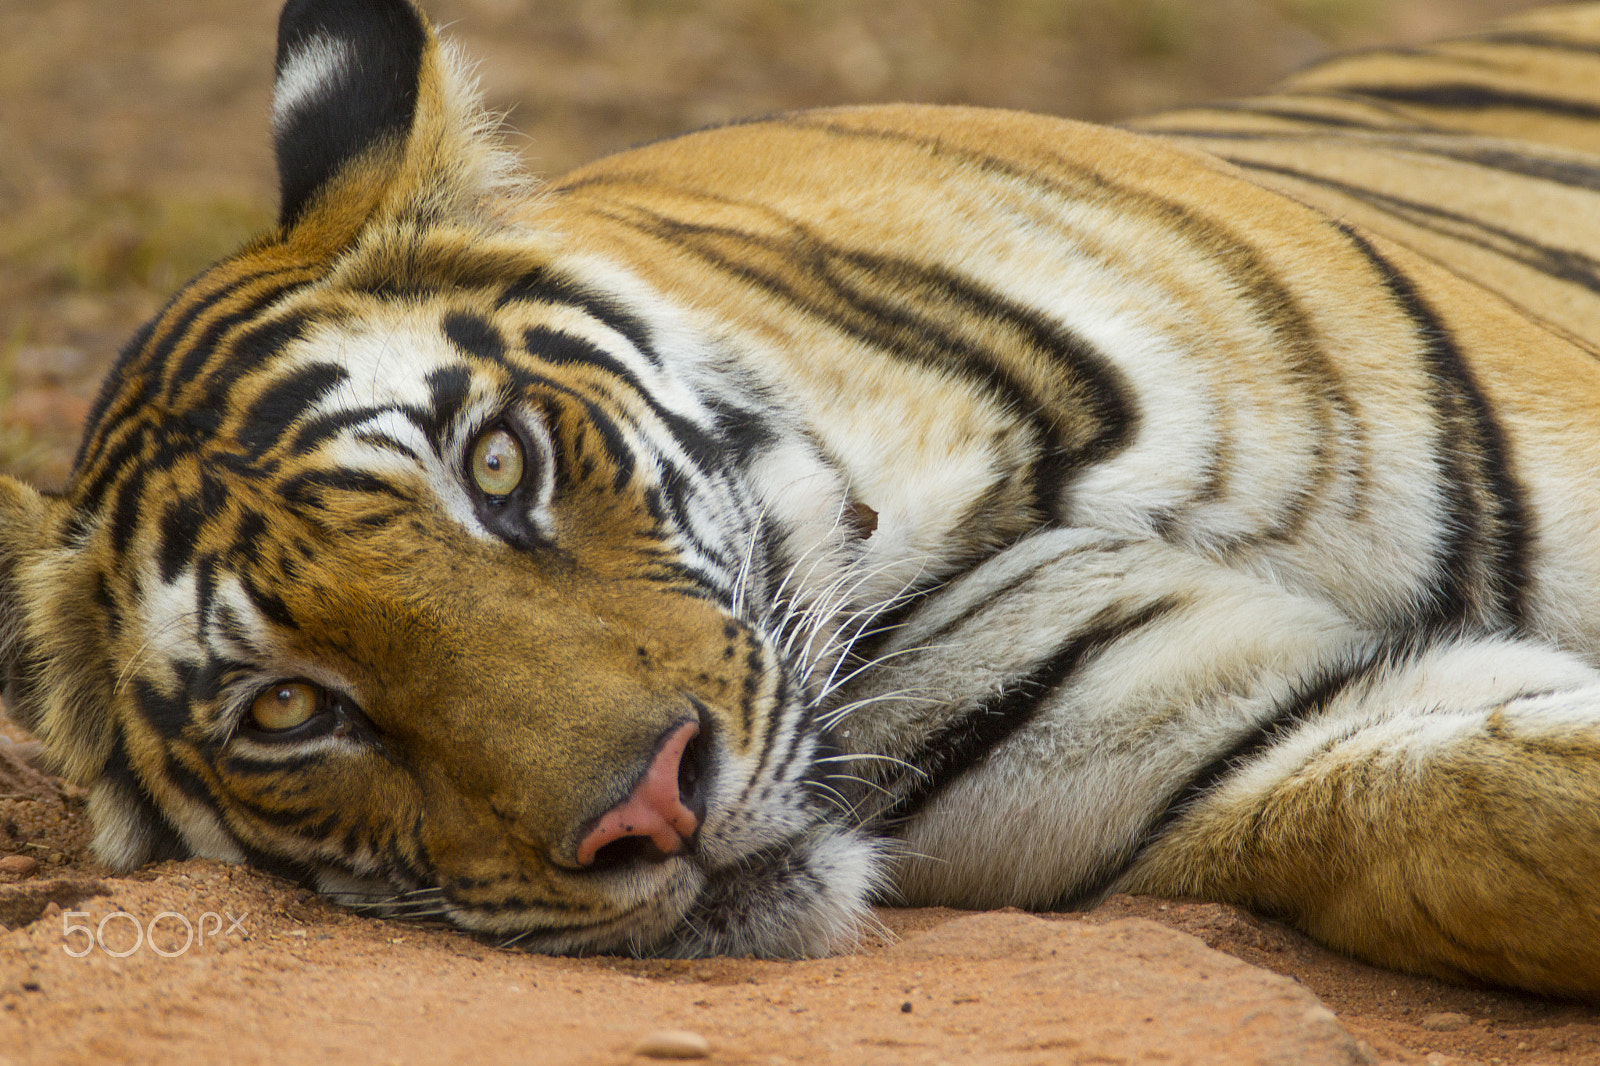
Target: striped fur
<point>1017,510</point>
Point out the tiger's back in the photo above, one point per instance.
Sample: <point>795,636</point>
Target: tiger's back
<point>1263,357</point>
<point>976,507</point>
<point>1478,152</point>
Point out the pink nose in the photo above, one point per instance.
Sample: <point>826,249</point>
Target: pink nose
<point>654,811</point>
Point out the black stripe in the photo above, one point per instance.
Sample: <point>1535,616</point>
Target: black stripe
<point>126,511</point>
<point>308,490</point>
<point>869,644</point>
<point>1266,107</point>
<point>1466,96</point>
<point>276,865</point>
<point>909,311</point>
<point>1305,704</point>
<point>448,389</point>
<point>1537,40</point>
<point>541,286</point>
<point>1528,164</point>
<point>202,349</point>
<point>167,715</point>
<point>285,402</point>
<point>269,603</point>
<point>1485,520</point>
<point>475,335</point>
<point>1532,163</point>
<point>205,585</point>
<point>596,418</point>
<point>249,352</point>
<point>155,832</point>
<point>1563,171</point>
<point>561,349</point>
<point>135,351</point>
<point>272,782</point>
<point>313,432</point>
<point>1561,264</point>
<point>782,696</point>
<point>964,742</point>
<point>106,600</point>
<point>113,386</point>
<point>181,526</point>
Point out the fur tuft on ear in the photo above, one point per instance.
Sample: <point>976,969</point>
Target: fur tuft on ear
<point>373,117</point>
<point>346,78</point>
<point>56,684</point>
<point>54,667</point>
<point>26,520</point>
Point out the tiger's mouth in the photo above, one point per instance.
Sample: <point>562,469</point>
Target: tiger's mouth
<point>737,884</point>
<point>805,899</point>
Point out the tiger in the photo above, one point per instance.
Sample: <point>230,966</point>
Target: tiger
<point>877,504</point>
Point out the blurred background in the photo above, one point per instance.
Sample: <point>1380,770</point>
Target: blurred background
<point>134,149</point>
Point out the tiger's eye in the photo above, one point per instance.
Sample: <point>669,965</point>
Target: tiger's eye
<point>284,706</point>
<point>497,463</point>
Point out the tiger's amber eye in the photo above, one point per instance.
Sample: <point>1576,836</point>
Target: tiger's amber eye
<point>284,706</point>
<point>497,463</point>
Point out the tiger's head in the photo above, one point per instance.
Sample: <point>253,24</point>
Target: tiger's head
<point>413,554</point>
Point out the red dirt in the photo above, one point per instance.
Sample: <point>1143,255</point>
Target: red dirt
<point>279,974</point>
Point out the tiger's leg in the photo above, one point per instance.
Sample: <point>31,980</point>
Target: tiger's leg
<point>1085,712</point>
<point>1028,728</point>
<point>1438,811</point>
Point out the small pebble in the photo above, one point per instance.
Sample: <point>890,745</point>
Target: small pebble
<point>1445,1022</point>
<point>30,752</point>
<point>18,867</point>
<point>905,1008</point>
<point>673,1044</point>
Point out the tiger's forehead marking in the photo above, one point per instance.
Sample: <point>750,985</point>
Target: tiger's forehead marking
<point>385,363</point>
<point>390,353</point>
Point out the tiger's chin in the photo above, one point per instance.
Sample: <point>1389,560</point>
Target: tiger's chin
<point>809,899</point>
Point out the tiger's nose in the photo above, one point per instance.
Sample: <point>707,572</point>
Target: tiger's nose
<point>655,821</point>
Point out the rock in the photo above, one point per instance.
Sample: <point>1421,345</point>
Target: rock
<point>673,1044</point>
<point>1445,1022</point>
<point>18,867</point>
<point>31,752</point>
<point>26,903</point>
<point>1139,991</point>
<point>21,778</point>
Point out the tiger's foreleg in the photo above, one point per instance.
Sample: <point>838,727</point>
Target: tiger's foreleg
<point>1085,713</point>
<point>1437,811</point>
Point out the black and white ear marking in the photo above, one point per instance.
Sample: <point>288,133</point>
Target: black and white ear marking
<point>347,77</point>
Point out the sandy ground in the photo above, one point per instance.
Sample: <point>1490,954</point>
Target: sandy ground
<point>200,962</point>
<point>132,151</point>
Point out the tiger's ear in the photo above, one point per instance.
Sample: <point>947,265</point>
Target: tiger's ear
<point>53,661</point>
<point>51,658</point>
<point>25,524</point>
<point>373,116</point>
